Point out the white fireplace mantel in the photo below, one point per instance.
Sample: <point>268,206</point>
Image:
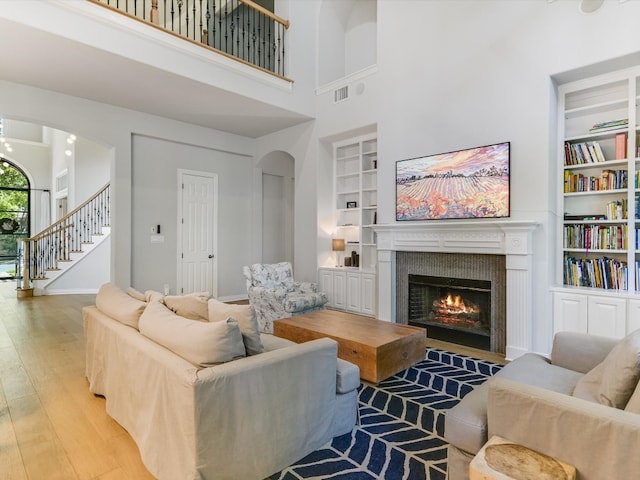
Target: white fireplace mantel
<point>511,238</point>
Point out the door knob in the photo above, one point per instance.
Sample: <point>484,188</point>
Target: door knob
<point>210,256</point>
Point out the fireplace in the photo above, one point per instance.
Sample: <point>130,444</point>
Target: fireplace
<point>509,242</point>
<point>430,290</point>
<point>453,309</point>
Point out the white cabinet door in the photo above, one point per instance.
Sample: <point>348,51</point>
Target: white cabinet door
<point>326,285</point>
<point>594,314</point>
<point>353,292</point>
<point>339,290</point>
<point>349,290</point>
<point>368,286</point>
<point>607,316</point>
<point>569,312</point>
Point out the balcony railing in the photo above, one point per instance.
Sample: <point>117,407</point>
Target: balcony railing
<point>240,29</point>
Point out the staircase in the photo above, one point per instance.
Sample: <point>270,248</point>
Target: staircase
<point>61,246</point>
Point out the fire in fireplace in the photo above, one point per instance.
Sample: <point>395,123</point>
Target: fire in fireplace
<point>452,309</point>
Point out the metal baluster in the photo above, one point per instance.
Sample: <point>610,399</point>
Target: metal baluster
<point>253,36</point>
<point>217,44</point>
<point>260,39</point>
<point>281,50</point>
<point>226,28</point>
<point>201,24</point>
<point>237,31</point>
<point>270,44</point>
<point>248,30</point>
<point>193,10</point>
<point>172,16</point>
<point>186,18</point>
<point>209,23</point>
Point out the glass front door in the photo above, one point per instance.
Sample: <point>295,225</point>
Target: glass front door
<point>14,216</point>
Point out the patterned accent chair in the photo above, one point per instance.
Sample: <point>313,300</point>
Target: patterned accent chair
<point>274,294</point>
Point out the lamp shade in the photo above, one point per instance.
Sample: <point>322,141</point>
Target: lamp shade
<point>337,244</point>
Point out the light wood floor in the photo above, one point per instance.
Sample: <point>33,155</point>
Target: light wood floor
<point>51,426</point>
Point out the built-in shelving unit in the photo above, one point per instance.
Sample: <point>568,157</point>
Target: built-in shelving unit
<point>356,194</point>
<point>353,287</point>
<point>598,166</point>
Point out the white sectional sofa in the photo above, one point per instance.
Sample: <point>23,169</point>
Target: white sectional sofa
<point>245,418</point>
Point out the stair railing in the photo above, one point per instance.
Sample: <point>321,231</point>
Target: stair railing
<point>42,252</point>
<point>238,29</point>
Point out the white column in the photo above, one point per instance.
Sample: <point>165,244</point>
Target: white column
<point>386,285</point>
<point>519,262</point>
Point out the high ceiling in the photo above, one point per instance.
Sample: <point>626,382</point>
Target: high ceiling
<point>37,58</point>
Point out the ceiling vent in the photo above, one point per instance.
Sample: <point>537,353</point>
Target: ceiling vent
<point>341,94</point>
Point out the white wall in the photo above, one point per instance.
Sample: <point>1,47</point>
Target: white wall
<point>155,200</point>
<point>360,47</point>
<point>92,166</point>
<point>23,130</point>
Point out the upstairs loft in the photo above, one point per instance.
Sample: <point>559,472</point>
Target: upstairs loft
<point>241,29</point>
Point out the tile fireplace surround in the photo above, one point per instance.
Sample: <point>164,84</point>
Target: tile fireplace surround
<point>508,237</point>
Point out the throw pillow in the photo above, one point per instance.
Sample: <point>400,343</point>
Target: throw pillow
<point>117,304</point>
<point>246,317</point>
<point>202,343</point>
<point>613,381</point>
<point>193,305</point>
<point>132,292</point>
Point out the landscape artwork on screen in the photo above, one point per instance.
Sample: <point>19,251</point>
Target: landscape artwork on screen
<point>471,183</point>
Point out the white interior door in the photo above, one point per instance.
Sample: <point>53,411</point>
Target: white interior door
<point>197,262</point>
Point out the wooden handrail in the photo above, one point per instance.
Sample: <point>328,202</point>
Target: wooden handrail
<point>51,229</point>
<point>44,233</point>
<point>264,11</point>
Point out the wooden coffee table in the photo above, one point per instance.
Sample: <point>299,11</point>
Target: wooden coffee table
<point>381,349</point>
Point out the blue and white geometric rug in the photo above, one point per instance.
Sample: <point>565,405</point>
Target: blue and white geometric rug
<point>400,435</point>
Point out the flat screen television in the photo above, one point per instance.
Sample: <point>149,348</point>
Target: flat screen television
<point>470,183</point>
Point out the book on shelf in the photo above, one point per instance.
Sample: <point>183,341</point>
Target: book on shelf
<point>621,146</point>
<point>616,209</point>
<point>578,153</point>
<point>596,237</point>
<point>609,125</point>
<point>607,180</point>
<point>602,272</point>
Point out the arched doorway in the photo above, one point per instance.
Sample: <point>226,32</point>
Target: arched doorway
<point>14,215</point>
<point>277,207</point>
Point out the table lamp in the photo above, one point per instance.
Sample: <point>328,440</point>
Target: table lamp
<point>337,245</point>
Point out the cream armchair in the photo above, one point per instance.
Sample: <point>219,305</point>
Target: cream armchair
<point>274,294</point>
<point>548,405</point>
